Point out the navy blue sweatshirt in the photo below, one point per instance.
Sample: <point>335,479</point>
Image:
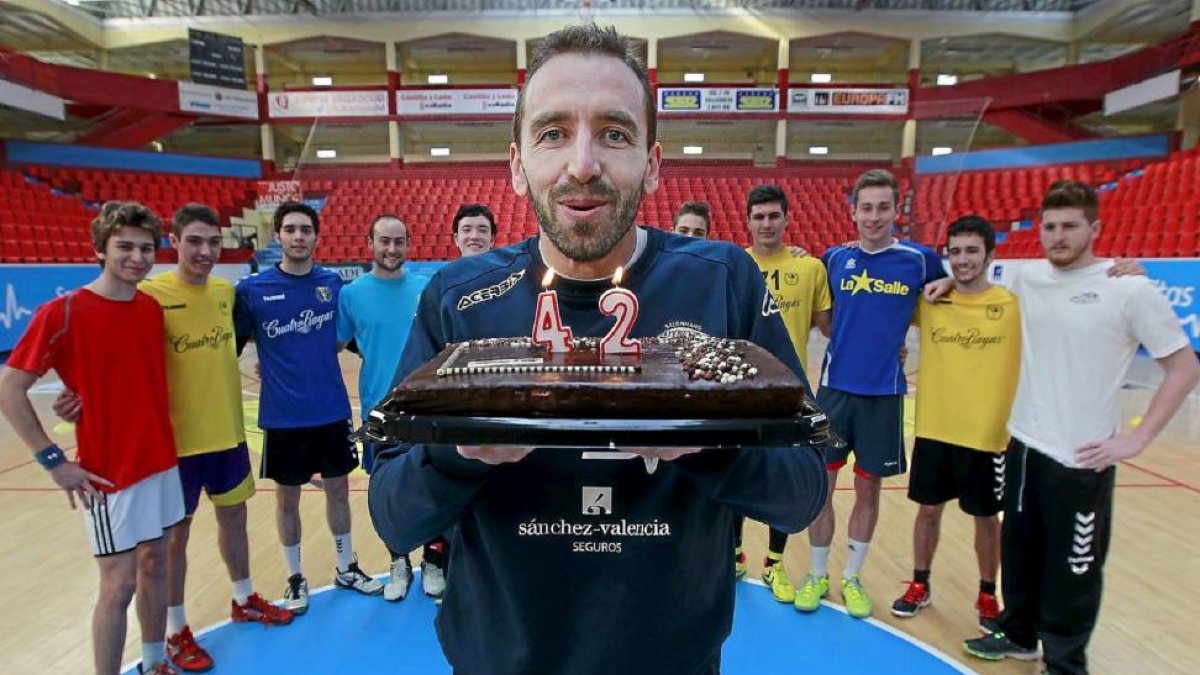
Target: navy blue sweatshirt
<point>566,564</point>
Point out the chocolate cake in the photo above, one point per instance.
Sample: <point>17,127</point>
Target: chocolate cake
<point>680,378</point>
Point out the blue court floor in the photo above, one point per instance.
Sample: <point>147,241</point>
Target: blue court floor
<point>348,632</point>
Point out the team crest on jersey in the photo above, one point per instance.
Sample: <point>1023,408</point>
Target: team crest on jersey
<point>995,312</point>
<point>682,329</point>
<point>223,306</point>
<point>791,278</point>
<point>324,294</point>
<point>769,306</point>
<point>490,292</point>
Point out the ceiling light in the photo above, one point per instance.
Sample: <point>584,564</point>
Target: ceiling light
<point>821,78</point>
<point>439,152</point>
<point>693,150</point>
<point>946,80</point>
<point>693,77</point>
<point>327,153</point>
<point>942,150</point>
<point>439,79</point>
<point>818,150</point>
<point>322,81</point>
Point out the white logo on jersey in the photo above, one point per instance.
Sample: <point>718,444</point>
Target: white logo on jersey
<point>490,292</point>
<point>307,322</point>
<point>851,264</point>
<point>769,306</point>
<point>273,298</point>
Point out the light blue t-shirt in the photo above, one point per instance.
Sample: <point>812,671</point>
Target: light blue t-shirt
<point>292,318</point>
<point>874,297</point>
<point>377,314</point>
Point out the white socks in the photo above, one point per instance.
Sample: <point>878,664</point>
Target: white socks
<point>292,555</point>
<point>345,551</point>
<point>176,619</point>
<point>153,653</point>
<point>820,560</point>
<point>243,588</point>
<point>857,556</point>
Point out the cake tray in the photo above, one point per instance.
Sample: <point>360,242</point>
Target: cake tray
<point>805,429</point>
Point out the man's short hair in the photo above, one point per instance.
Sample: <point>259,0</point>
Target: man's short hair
<point>589,38</point>
<point>765,194</point>
<point>701,209</point>
<point>114,215</point>
<point>191,213</point>
<point>876,178</point>
<point>296,207</point>
<point>385,216</point>
<point>1071,194</point>
<point>973,224</point>
<point>470,210</point>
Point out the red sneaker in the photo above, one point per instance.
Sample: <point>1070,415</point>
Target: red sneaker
<point>258,609</point>
<point>914,599</point>
<point>159,669</point>
<point>988,606</point>
<point>186,654</point>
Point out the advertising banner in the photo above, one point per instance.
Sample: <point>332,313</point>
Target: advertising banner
<point>209,100</point>
<point>848,101</point>
<point>291,104</point>
<point>456,101</point>
<point>718,99</point>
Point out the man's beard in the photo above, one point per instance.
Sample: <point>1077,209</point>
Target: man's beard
<point>586,240</point>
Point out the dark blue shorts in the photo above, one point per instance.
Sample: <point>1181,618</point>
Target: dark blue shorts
<point>225,475</point>
<point>873,428</point>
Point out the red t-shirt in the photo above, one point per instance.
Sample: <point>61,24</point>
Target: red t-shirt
<point>109,352</point>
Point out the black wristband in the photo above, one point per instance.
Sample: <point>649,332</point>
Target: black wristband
<point>50,457</point>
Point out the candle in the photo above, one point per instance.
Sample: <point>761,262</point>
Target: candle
<point>622,304</point>
<point>548,328</point>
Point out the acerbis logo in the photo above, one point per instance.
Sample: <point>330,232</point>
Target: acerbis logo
<point>769,306</point>
<point>490,292</point>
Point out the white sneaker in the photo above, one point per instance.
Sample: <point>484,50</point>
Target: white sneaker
<point>399,579</point>
<point>354,579</point>
<point>433,580</point>
<point>295,596</point>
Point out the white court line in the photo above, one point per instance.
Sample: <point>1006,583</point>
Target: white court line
<point>929,649</point>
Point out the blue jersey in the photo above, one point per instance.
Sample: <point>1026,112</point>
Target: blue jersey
<point>377,314</point>
<point>874,297</point>
<point>292,320</point>
<point>679,518</point>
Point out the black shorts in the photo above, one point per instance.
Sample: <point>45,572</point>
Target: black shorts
<point>292,456</point>
<point>942,471</point>
<point>873,428</point>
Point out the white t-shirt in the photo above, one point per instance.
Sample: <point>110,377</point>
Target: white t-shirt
<point>1079,332</point>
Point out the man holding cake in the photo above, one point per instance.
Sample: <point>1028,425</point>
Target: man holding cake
<point>565,560</point>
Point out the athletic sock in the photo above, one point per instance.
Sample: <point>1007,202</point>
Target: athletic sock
<point>153,653</point>
<point>242,590</point>
<point>988,587</point>
<point>776,541</point>
<point>176,619</point>
<point>292,555</point>
<point>921,577</point>
<point>345,552</point>
<point>820,560</point>
<point>858,555</point>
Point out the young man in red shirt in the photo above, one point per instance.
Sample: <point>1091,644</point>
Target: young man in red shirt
<point>105,342</point>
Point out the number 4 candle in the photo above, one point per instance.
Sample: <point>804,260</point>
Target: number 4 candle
<point>548,328</point>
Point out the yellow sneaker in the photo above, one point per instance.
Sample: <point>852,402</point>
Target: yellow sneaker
<point>858,605</point>
<point>776,578</point>
<point>812,591</point>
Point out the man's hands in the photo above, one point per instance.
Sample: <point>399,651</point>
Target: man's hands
<point>1126,267</point>
<point>1099,455</point>
<point>937,289</point>
<point>76,482</point>
<point>68,406</point>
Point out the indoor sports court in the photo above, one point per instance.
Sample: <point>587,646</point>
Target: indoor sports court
<point>358,109</point>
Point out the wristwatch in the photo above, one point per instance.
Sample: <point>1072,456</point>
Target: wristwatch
<point>50,457</point>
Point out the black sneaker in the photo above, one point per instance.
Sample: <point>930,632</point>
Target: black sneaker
<point>997,646</point>
<point>989,625</point>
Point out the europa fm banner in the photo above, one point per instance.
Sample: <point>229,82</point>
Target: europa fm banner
<point>718,99</point>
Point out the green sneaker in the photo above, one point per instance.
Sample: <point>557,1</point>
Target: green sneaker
<point>812,591</point>
<point>858,605</point>
<point>776,578</point>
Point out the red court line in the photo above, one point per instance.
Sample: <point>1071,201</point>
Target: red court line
<point>16,466</point>
<point>1162,477</point>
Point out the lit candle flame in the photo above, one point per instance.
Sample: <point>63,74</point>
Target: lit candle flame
<point>548,278</point>
<point>618,275</point>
